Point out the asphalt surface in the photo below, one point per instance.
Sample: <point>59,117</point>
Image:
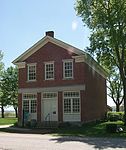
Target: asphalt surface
<point>16,141</point>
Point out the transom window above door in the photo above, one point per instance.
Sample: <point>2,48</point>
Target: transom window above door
<point>49,71</point>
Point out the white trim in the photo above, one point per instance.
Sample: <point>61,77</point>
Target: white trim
<point>53,89</point>
<point>44,41</point>
<point>91,63</point>
<point>28,65</point>
<point>62,44</point>
<point>72,104</point>
<point>21,65</point>
<point>31,115</point>
<point>50,99</point>
<point>48,63</point>
<point>71,116</point>
<point>67,61</point>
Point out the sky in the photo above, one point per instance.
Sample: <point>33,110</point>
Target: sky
<point>24,22</point>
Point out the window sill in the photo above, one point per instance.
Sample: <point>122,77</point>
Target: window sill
<point>72,113</point>
<point>31,81</point>
<point>68,79</point>
<point>49,79</point>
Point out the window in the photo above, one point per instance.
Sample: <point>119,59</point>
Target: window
<point>30,103</point>
<point>71,102</point>
<point>26,106</point>
<point>31,72</point>
<point>68,69</point>
<point>49,95</point>
<point>49,71</point>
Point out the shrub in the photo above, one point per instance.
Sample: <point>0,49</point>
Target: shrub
<point>115,116</point>
<point>111,127</point>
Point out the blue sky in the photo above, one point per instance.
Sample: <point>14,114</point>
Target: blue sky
<point>25,22</point>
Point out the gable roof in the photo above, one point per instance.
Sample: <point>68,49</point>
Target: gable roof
<point>85,56</point>
<point>41,43</point>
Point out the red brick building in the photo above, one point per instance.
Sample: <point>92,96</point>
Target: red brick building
<point>58,82</point>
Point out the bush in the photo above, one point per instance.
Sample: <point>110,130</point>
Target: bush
<point>111,127</point>
<point>115,116</point>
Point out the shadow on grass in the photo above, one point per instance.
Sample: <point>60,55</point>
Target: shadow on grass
<point>98,143</point>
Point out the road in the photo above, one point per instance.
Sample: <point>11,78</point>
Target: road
<point>14,141</point>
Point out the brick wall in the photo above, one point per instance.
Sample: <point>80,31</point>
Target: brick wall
<point>51,52</point>
<point>95,100</point>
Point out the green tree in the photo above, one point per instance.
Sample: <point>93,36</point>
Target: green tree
<point>107,22</point>
<point>10,87</point>
<point>115,89</point>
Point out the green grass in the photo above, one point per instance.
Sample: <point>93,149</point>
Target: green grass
<point>6,121</point>
<point>87,130</point>
<point>90,130</point>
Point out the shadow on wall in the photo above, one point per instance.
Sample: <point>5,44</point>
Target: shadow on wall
<point>98,143</point>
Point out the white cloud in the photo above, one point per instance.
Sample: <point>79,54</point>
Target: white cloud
<point>74,25</point>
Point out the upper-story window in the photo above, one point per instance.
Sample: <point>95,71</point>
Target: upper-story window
<point>31,72</point>
<point>68,69</point>
<point>49,70</point>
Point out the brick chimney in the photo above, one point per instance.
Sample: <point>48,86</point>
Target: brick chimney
<point>50,33</point>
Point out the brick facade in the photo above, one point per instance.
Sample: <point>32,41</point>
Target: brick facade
<point>92,96</point>
<point>45,54</point>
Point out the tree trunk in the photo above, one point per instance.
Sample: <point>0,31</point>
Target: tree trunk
<point>117,108</point>
<point>2,111</point>
<point>16,113</point>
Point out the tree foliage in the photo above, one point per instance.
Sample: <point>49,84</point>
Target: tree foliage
<point>9,87</point>
<point>115,88</point>
<point>107,22</point>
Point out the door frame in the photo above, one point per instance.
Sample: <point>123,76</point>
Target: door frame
<point>44,99</point>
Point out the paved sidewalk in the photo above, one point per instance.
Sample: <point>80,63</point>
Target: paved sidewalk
<point>15,141</point>
<point>6,126</point>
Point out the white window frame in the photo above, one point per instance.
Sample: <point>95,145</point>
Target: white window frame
<point>29,99</point>
<point>49,63</point>
<point>49,95</point>
<point>67,61</point>
<point>29,65</point>
<point>71,101</point>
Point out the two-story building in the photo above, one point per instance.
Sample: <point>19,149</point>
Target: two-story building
<point>58,82</point>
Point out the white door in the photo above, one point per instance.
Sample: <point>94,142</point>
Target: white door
<point>50,111</point>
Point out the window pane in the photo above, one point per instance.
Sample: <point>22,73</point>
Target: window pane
<point>67,105</point>
<point>31,72</point>
<point>71,94</point>
<point>33,106</point>
<point>68,69</point>
<point>49,95</point>
<point>71,102</point>
<point>30,103</point>
<point>76,105</point>
<point>49,70</point>
<point>26,105</point>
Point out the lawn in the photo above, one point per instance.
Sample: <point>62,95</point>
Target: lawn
<point>97,129</point>
<point>6,121</point>
<point>90,130</point>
